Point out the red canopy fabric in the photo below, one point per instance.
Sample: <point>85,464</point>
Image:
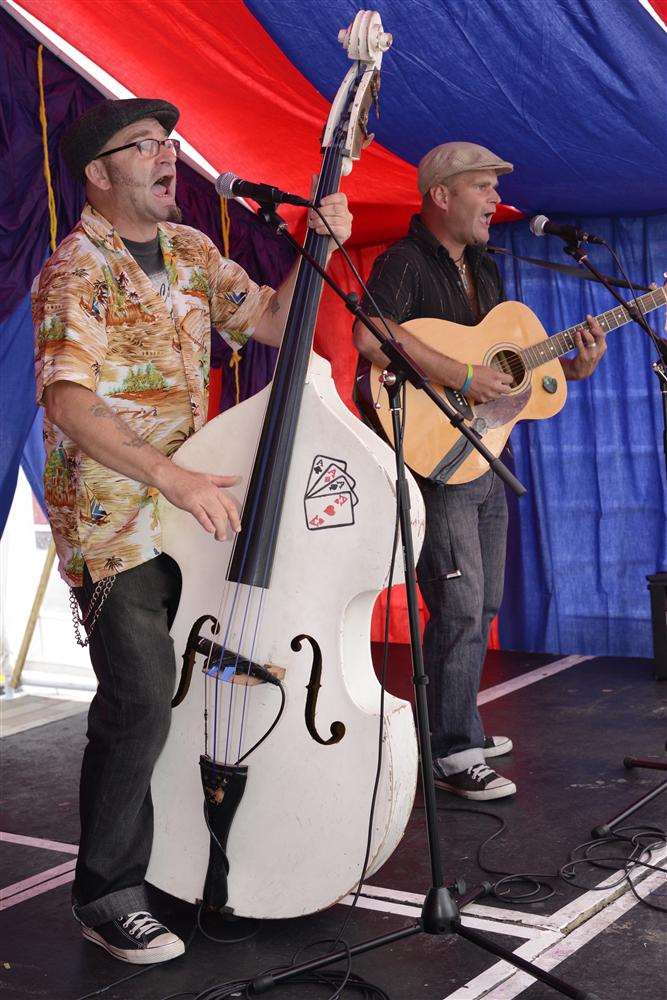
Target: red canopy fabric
<point>243,105</point>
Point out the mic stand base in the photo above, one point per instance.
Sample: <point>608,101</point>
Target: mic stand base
<point>607,829</point>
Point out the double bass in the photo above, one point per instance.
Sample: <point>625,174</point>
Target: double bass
<point>262,793</point>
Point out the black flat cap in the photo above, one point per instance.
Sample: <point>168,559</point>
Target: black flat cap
<point>84,139</point>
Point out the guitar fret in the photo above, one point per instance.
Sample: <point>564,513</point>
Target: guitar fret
<point>561,343</point>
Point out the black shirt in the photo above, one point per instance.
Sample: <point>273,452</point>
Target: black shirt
<point>417,278</point>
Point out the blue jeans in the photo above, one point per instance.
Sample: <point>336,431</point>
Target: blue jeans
<point>466,529</point>
<point>133,658</point>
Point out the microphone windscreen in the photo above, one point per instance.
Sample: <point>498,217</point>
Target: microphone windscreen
<point>225,183</point>
<point>537,224</point>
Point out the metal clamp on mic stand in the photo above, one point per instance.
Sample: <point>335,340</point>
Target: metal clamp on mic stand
<point>440,913</point>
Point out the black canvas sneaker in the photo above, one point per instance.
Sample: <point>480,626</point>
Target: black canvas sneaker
<point>477,782</point>
<point>496,746</point>
<point>136,937</point>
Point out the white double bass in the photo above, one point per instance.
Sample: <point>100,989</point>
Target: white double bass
<point>262,793</point>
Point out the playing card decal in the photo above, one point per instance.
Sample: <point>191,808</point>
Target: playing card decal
<point>330,499</point>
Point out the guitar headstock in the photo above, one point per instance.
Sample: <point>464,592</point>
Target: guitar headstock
<point>365,41</point>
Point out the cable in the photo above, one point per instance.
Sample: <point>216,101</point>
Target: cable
<point>257,924</point>
<point>637,856</point>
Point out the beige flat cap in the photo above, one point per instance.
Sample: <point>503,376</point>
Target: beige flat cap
<point>453,158</point>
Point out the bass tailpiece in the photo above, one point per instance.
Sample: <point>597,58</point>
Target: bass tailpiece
<point>223,786</point>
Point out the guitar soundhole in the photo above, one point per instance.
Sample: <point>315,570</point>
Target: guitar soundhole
<point>510,363</point>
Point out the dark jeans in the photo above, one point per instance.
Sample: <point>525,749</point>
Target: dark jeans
<point>466,529</point>
<point>133,658</point>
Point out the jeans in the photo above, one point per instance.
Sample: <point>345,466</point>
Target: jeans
<point>133,658</point>
<point>466,528</point>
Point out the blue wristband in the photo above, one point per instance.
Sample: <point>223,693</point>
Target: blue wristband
<point>468,381</point>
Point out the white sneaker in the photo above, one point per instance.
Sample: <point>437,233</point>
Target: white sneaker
<point>477,782</point>
<point>136,937</point>
<point>496,746</point>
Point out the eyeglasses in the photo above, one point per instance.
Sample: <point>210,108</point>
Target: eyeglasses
<point>148,148</point>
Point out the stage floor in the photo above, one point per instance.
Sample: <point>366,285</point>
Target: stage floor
<point>572,721</point>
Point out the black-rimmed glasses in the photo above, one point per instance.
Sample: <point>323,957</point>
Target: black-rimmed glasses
<point>148,148</point>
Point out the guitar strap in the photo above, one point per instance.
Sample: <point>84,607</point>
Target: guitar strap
<point>575,272</point>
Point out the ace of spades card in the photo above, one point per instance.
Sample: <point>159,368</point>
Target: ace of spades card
<point>330,498</point>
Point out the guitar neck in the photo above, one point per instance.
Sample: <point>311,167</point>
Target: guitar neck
<point>554,347</point>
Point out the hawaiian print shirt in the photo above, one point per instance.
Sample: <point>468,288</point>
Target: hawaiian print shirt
<point>99,322</point>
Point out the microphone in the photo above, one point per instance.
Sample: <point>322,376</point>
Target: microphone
<point>230,185</point>
<point>539,226</point>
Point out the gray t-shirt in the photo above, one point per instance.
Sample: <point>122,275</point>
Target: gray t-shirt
<point>149,258</point>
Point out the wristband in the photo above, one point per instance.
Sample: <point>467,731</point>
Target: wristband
<point>468,381</point>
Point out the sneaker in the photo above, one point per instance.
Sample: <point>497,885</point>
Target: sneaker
<point>496,746</point>
<point>476,782</point>
<point>136,937</point>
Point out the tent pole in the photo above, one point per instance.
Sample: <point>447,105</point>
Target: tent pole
<point>15,682</point>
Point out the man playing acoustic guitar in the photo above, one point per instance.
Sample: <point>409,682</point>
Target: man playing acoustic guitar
<point>442,270</point>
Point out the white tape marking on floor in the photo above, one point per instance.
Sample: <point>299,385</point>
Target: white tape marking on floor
<point>537,921</point>
<point>405,910</point>
<point>37,890</point>
<point>563,948</point>
<point>588,910</point>
<point>516,683</point>
<point>492,978</point>
<point>397,895</point>
<point>47,845</point>
<point>472,909</point>
<point>28,883</point>
<point>383,905</point>
<point>589,903</point>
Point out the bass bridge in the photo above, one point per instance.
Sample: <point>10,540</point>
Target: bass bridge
<point>220,663</point>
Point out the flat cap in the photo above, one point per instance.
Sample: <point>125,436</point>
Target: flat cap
<point>453,158</point>
<point>84,139</point>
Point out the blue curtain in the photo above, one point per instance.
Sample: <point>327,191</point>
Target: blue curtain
<point>17,399</point>
<point>592,525</point>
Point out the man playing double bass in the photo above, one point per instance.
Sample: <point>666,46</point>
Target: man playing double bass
<point>441,270</point>
<point>123,312</point>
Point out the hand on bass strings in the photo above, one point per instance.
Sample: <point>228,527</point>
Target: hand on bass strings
<point>334,209</point>
<point>201,494</point>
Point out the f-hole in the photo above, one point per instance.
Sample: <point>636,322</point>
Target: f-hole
<point>337,729</point>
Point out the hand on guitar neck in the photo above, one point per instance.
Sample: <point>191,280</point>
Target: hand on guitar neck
<point>591,344</point>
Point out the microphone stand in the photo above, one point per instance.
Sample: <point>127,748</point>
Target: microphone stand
<point>440,913</point>
<point>576,251</point>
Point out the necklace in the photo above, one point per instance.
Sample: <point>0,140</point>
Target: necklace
<point>461,267</point>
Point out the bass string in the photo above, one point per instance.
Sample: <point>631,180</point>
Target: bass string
<point>330,168</point>
<point>216,681</point>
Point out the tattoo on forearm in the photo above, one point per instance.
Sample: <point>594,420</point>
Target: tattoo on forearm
<point>130,439</point>
<point>274,305</point>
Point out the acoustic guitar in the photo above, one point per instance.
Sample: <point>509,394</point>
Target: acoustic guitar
<point>509,338</point>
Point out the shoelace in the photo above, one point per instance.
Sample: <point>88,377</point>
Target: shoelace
<point>141,922</point>
<point>479,771</point>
